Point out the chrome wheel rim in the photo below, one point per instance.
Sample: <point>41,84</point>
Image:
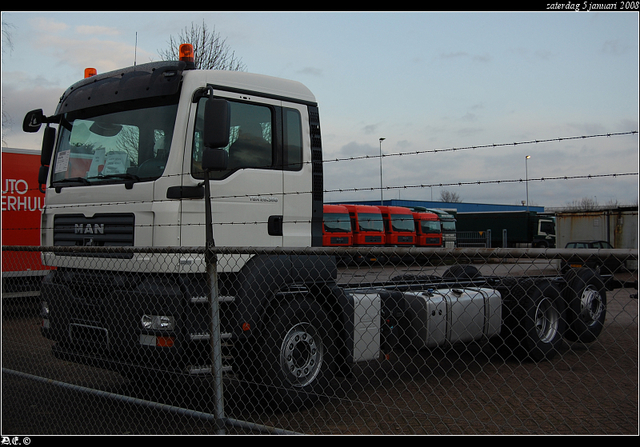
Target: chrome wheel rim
<point>547,320</point>
<point>301,354</point>
<point>591,305</point>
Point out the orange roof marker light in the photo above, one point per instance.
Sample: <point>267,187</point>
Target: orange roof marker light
<point>88,72</point>
<point>187,55</point>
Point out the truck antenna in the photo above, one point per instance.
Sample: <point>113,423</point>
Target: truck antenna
<point>135,50</point>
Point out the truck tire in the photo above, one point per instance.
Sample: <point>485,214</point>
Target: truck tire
<point>296,361</point>
<point>534,320</point>
<point>463,272</point>
<point>586,298</point>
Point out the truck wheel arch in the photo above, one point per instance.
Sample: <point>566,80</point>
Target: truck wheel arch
<point>534,319</point>
<point>257,285</point>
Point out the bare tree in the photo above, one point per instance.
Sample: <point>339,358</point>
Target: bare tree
<point>448,196</point>
<point>211,51</point>
<point>8,45</point>
<point>584,204</point>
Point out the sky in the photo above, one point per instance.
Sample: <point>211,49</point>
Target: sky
<point>460,98</point>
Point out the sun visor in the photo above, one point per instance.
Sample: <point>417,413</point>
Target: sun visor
<point>153,80</point>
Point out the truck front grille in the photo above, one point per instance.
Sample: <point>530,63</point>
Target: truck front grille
<point>101,230</point>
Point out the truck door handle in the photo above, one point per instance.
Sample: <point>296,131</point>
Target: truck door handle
<point>274,226</point>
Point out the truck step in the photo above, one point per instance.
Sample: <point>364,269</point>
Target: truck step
<point>201,336</point>
<point>205,299</point>
<point>199,370</point>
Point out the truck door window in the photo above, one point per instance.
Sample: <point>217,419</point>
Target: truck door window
<point>250,142</point>
<point>293,140</point>
<point>547,227</point>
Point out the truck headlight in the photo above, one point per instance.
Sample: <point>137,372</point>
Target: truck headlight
<point>44,309</point>
<point>158,322</point>
<point>45,314</point>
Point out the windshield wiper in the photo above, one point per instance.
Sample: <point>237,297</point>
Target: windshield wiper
<point>69,181</point>
<point>123,175</point>
<point>82,180</point>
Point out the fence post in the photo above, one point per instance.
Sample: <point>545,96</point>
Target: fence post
<point>211,260</point>
<point>504,238</point>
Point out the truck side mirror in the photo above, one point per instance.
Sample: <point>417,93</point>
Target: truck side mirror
<point>33,120</point>
<point>42,177</point>
<point>48,141</point>
<point>215,159</point>
<point>216,123</point>
<point>216,134</point>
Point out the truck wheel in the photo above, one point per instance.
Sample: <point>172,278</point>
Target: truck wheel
<point>586,298</point>
<point>297,359</point>
<point>535,320</point>
<point>462,272</point>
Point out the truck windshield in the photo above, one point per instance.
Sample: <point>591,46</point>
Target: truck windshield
<point>370,222</point>
<point>402,222</point>
<point>449,226</point>
<point>120,146</point>
<point>430,226</point>
<point>337,223</point>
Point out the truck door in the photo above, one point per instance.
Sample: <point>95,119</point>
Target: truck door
<point>247,198</point>
<point>297,176</point>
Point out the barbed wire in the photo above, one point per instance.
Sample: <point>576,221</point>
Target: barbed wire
<point>369,189</point>
<point>483,146</point>
<point>452,149</point>
<point>482,182</point>
<point>305,221</point>
<point>360,189</point>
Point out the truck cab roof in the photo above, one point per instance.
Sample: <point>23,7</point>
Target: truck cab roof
<point>163,79</point>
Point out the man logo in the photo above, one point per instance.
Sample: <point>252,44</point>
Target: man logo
<point>89,229</point>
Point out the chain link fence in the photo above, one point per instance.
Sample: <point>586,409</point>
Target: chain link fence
<point>321,341</point>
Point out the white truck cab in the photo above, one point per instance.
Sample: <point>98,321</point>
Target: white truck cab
<point>127,164</point>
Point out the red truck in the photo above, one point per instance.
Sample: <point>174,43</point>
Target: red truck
<point>22,204</point>
<point>336,226</point>
<point>398,225</point>
<point>367,225</point>
<point>428,230</point>
<point>368,228</point>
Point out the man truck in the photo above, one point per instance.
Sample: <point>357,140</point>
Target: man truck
<point>398,226</point>
<point>127,159</point>
<point>512,228</point>
<point>336,226</point>
<point>428,230</point>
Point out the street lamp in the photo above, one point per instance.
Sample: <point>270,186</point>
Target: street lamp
<point>381,199</point>
<point>526,178</point>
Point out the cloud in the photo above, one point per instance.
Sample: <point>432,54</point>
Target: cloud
<point>313,71</point>
<point>464,55</point>
<point>370,129</point>
<point>22,92</point>
<point>47,26</point>
<point>97,30</point>
<point>614,47</point>
<point>104,55</point>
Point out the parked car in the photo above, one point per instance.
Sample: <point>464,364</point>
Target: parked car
<point>607,265</point>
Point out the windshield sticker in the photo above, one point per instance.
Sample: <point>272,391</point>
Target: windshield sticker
<point>97,163</point>
<point>62,161</point>
<point>116,163</point>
